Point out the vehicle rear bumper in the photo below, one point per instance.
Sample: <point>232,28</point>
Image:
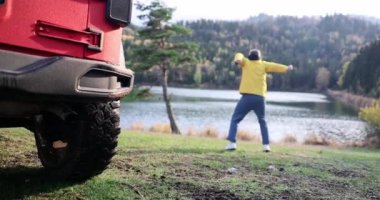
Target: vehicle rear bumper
<point>62,76</point>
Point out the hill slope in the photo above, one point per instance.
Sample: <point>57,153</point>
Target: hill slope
<point>309,43</point>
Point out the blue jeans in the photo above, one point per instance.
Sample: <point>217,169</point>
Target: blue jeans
<point>247,103</point>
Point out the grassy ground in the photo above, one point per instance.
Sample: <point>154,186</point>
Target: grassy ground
<point>153,166</point>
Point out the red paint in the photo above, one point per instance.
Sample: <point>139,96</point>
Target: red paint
<point>18,19</point>
<point>112,37</point>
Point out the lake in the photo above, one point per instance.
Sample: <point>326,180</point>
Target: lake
<point>287,113</point>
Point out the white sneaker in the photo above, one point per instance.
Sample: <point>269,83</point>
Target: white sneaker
<point>230,146</point>
<point>266,148</point>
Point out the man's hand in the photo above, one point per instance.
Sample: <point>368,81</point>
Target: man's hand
<point>237,62</point>
<point>290,68</point>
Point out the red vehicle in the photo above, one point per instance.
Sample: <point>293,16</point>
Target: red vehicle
<point>62,74</point>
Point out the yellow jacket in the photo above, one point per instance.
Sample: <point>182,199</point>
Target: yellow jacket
<point>254,74</point>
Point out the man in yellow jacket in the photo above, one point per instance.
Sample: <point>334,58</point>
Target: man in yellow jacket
<point>253,88</point>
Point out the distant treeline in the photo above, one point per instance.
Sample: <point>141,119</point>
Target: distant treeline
<point>318,47</point>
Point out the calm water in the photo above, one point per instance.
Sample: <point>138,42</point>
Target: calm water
<point>287,113</point>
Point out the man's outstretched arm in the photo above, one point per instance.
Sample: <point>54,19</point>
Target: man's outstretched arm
<point>277,68</point>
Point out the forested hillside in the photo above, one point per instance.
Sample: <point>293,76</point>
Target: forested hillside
<point>317,46</point>
<point>362,75</point>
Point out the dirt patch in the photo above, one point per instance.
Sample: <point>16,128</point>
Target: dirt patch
<point>213,167</point>
<point>197,173</point>
<point>4,139</point>
<point>313,187</point>
<point>285,195</point>
<point>373,195</point>
<point>212,182</point>
<point>124,166</point>
<point>25,159</point>
<point>336,170</point>
<point>348,173</point>
<point>214,194</point>
<point>207,177</point>
<point>193,191</point>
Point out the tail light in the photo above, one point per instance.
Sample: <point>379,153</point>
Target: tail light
<point>119,12</point>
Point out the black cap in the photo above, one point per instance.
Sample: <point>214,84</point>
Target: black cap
<point>254,54</point>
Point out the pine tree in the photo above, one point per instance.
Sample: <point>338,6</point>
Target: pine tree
<point>158,48</point>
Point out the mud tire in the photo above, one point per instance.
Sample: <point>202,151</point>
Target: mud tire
<point>91,136</point>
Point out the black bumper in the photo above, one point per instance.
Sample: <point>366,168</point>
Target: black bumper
<point>62,76</point>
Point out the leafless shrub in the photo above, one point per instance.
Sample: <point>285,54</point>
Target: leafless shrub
<point>289,139</point>
<point>160,128</point>
<point>137,126</point>
<point>247,136</point>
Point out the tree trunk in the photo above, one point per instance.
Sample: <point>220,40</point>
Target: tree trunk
<point>173,125</point>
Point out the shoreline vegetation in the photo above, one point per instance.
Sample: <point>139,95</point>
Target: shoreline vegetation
<point>355,101</point>
<point>166,166</point>
<point>368,110</point>
<point>247,136</point>
<point>138,93</point>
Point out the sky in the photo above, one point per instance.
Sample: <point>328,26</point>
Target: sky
<point>243,9</point>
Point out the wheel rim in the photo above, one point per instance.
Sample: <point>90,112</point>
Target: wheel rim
<point>51,157</point>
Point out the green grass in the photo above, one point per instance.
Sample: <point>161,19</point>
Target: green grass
<point>162,166</point>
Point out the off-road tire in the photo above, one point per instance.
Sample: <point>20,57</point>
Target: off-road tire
<point>91,136</point>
